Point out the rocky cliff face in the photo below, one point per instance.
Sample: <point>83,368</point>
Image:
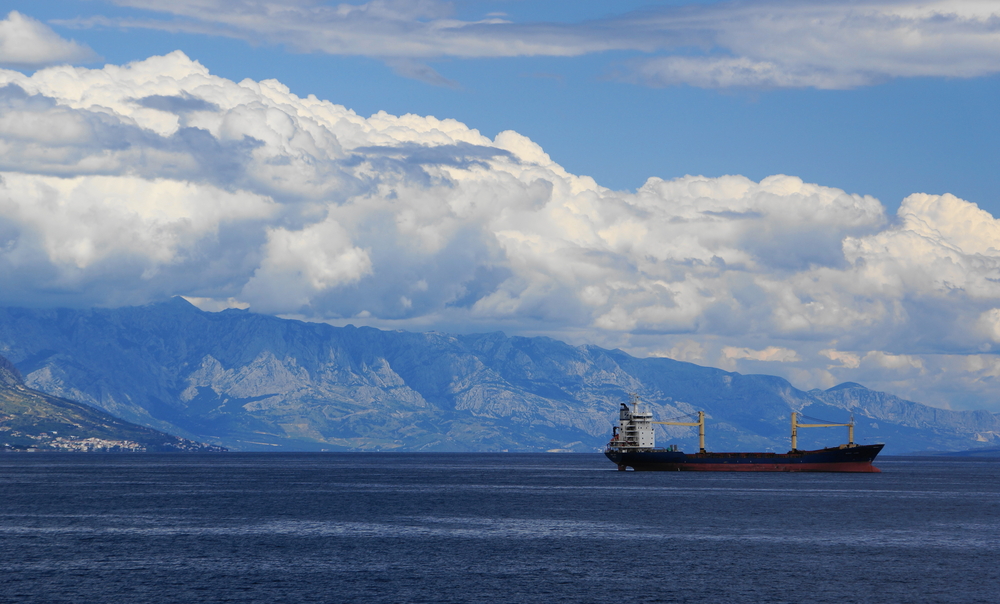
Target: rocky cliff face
<point>251,381</point>
<point>10,377</point>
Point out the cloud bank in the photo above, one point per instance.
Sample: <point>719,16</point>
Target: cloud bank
<point>771,44</point>
<point>128,184</point>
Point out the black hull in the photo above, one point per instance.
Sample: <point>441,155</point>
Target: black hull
<point>834,459</point>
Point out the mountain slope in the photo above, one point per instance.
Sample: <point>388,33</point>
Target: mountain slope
<point>34,420</point>
<point>251,381</point>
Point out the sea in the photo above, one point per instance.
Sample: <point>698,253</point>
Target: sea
<point>458,527</point>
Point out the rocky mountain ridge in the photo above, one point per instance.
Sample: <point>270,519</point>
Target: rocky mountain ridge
<point>255,382</point>
<point>34,421</point>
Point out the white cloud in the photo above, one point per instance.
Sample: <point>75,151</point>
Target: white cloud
<point>27,43</point>
<point>380,28</point>
<point>733,72</point>
<point>832,44</point>
<point>846,359</point>
<point>898,362</point>
<point>989,323</point>
<point>840,44</point>
<point>769,354</point>
<point>163,179</point>
<point>215,305</point>
<point>691,351</point>
<point>298,264</point>
<point>84,220</point>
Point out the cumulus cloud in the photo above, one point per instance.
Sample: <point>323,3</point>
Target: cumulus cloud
<point>300,262</point>
<point>773,44</point>
<point>27,44</point>
<point>127,184</point>
<point>989,324</point>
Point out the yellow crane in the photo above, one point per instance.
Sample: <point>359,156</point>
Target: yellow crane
<point>701,429</point>
<point>796,426</point>
<point>700,424</point>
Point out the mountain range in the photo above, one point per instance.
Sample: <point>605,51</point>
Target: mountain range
<point>35,421</point>
<point>255,382</point>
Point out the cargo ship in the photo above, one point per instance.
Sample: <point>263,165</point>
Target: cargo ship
<point>633,445</point>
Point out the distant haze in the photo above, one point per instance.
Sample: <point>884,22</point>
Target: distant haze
<point>254,382</point>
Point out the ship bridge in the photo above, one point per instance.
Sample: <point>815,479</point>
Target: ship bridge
<point>635,426</point>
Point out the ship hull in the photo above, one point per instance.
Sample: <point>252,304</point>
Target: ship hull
<point>833,459</point>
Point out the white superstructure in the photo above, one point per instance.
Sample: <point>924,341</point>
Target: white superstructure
<point>635,426</point>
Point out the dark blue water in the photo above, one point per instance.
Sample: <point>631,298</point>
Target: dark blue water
<point>488,528</point>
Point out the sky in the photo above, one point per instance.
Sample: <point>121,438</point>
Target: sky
<point>804,189</point>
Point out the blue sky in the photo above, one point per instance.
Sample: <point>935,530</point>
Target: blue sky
<point>901,136</point>
<point>598,172</point>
